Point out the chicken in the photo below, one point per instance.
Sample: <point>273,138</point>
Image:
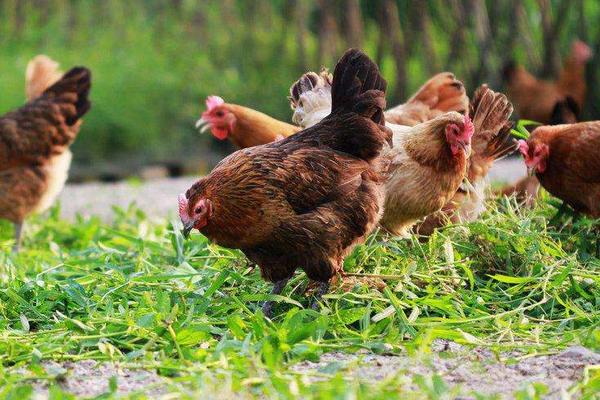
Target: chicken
<point>565,160</point>
<point>310,99</point>
<point>304,201</point>
<point>490,113</point>
<point>428,165</point>
<point>537,99</point>
<point>34,142</point>
<point>243,126</point>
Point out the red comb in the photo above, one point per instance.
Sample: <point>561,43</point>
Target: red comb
<point>523,147</point>
<point>469,127</point>
<point>213,101</point>
<point>183,208</point>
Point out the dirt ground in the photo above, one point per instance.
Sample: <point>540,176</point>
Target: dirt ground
<point>158,197</point>
<point>472,369</point>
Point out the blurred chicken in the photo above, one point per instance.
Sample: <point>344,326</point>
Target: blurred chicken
<point>310,99</point>
<point>490,113</point>
<point>42,72</point>
<point>536,99</point>
<point>440,94</point>
<point>307,200</point>
<point>243,126</point>
<point>565,159</point>
<point>34,143</point>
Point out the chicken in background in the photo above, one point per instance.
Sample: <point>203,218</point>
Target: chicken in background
<point>243,126</point>
<point>440,94</point>
<point>304,201</point>
<point>490,112</point>
<point>35,140</point>
<point>536,99</point>
<point>565,159</point>
<point>310,99</point>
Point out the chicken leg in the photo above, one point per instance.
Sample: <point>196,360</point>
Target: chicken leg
<point>18,234</point>
<point>322,288</point>
<point>278,287</point>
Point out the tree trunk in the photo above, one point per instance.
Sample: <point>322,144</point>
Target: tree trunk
<point>353,24</point>
<point>328,42</point>
<point>431,59</point>
<point>525,33</point>
<point>551,29</point>
<point>393,31</point>
<point>301,13</point>
<point>484,41</point>
<point>459,35</point>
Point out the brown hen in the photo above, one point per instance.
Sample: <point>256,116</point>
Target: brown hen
<point>565,159</point>
<point>550,102</point>
<point>34,143</point>
<point>307,200</point>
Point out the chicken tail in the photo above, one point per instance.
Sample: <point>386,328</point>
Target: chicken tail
<point>358,87</point>
<point>358,101</point>
<point>71,93</point>
<point>41,73</point>
<point>490,112</point>
<point>310,98</point>
<point>442,92</point>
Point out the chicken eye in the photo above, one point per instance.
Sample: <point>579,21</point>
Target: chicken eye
<point>198,210</point>
<point>220,113</point>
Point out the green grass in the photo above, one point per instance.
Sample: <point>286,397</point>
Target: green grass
<point>135,292</point>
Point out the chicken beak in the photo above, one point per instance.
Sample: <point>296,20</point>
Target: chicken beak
<point>203,125</point>
<point>187,228</point>
<point>530,171</point>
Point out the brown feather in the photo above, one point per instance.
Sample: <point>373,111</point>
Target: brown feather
<point>307,200</point>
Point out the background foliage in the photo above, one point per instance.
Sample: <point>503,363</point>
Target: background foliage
<point>154,61</point>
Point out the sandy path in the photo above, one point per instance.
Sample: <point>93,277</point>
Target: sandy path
<point>158,198</point>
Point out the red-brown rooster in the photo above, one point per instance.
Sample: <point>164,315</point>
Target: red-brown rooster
<point>34,147</point>
<point>307,200</point>
<point>244,126</point>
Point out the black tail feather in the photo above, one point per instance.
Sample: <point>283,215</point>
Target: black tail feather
<point>358,86</point>
<point>76,81</point>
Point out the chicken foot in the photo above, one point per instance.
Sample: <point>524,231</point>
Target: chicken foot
<point>278,287</point>
<point>18,234</point>
<point>322,288</point>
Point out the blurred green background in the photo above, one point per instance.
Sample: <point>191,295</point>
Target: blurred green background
<point>154,61</point>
